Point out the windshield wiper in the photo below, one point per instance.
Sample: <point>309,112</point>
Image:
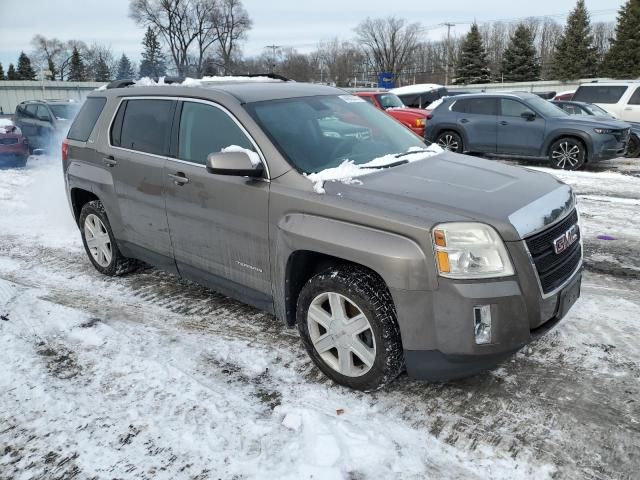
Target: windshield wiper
<point>389,165</point>
<point>399,155</point>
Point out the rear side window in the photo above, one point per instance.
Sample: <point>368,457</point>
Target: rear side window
<point>600,93</point>
<point>635,98</point>
<point>146,126</point>
<point>87,117</point>
<point>476,106</point>
<point>205,129</point>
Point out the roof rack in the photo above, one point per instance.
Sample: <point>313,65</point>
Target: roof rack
<point>127,82</point>
<point>271,75</point>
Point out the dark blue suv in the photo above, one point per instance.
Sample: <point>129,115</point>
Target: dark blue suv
<point>524,125</point>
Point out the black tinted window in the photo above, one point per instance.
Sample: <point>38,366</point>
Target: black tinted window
<point>205,129</point>
<point>30,110</point>
<point>476,106</point>
<point>512,108</point>
<point>635,98</point>
<point>43,112</point>
<point>86,119</point>
<point>146,126</point>
<point>599,93</point>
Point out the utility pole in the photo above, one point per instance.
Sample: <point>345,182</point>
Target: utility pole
<point>273,48</point>
<point>446,72</point>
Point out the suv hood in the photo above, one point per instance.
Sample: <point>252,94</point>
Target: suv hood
<point>597,122</point>
<point>408,112</point>
<point>448,186</point>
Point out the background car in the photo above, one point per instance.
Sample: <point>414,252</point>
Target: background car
<point>581,108</point>
<point>413,118</point>
<point>524,125</point>
<point>622,98</point>
<point>14,147</point>
<point>420,95</point>
<point>41,121</point>
<point>567,95</point>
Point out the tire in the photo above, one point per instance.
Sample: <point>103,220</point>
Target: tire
<point>450,140</point>
<point>103,252</point>
<point>359,354</point>
<point>567,154</point>
<point>633,149</point>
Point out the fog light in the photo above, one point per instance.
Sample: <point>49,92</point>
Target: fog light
<point>482,324</point>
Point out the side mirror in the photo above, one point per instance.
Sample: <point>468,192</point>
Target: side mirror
<point>233,163</point>
<point>528,116</point>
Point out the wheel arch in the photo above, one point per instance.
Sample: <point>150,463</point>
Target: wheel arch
<point>79,198</point>
<point>576,135</point>
<point>453,128</point>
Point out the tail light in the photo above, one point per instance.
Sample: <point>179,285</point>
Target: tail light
<point>65,149</point>
<point>429,116</point>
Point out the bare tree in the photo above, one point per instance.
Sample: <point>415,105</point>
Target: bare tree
<point>94,55</point>
<point>603,35</point>
<point>232,24</point>
<point>66,56</point>
<point>388,42</point>
<point>338,61</point>
<point>47,53</point>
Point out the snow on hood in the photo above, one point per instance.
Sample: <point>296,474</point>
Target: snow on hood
<point>5,124</point>
<point>253,156</point>
<point>417,88</point>
<point>347,171</point>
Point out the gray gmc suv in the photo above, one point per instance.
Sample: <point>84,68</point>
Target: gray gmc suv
<point>444,265</point>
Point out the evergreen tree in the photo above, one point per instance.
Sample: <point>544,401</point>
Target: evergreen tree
<point>519,61</point>
<point>25,71</point>
<point>103,74</point>
<point>1,72</point>
<point>125,69</point>
<point>11,73</point>
<point>575,56</point>
<point>77,70</point>
<point>153,62</point>
<point>623,58</point>
<point>473,66</point>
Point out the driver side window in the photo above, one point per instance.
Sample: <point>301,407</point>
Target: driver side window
<point>511,108</point>
<point>206,129</point>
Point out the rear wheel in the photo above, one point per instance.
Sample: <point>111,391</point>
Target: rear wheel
<point>633,149</point>
<point>567,154</point>
<point>347,322</point>
<point>99,242</point>
<point>451,141</point>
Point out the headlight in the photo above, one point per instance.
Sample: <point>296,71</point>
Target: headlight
<point>420,122</point>
<point>603,131</point>
<point>470,250</point>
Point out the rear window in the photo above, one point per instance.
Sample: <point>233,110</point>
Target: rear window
<point>635,98</point>
<point>600,93</point>
<point>146,125</point>
<point>86,119</point>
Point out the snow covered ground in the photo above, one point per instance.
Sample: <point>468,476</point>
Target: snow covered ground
<point>148,376</point>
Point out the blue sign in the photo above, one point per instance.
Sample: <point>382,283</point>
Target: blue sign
<point>386,80</point>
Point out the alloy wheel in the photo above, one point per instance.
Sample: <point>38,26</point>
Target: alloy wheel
<point>449,142</point>
<point>98,241</point>
<point>566,155</point>
<point>341,334</point>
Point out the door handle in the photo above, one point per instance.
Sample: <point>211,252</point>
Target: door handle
<point>109,161</point>
<point>179,178</point>
<point>629,108</point>
<point>504,122</point>
<point>464,120</point>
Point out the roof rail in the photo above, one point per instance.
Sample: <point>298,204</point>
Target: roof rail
<point>127,82</point>
<point>273,76</point>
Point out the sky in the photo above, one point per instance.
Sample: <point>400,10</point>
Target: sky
<point>289,23</point>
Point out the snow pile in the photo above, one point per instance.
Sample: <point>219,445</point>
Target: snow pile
<point>194,82</point>
<point>5,122</point>
<point>436,104</point>
<point>418,88</point>
<point>347,171</point>
<point>253,156</point>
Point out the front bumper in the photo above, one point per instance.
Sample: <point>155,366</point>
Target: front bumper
<point>441,345</point>
<point>610,149</point>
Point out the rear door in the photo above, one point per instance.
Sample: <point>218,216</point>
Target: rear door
<point>138,146</point>
<point>477,117</point>
<point>218,223</point>
<point>631,111</point>
<point>516,134</point>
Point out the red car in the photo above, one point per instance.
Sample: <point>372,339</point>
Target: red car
<point>14,148</point>
<point>413,118</point>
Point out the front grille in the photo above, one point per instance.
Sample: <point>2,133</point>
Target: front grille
<point>622,135</point>
<point>554,269</point>
<point>8,141</point>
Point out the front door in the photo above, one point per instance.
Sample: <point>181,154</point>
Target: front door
<point>518,135</point>
<point>218,223</point>
<point>136,156</point>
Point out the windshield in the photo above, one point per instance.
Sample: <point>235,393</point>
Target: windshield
<point>316,133</point>
<point>546,108</point>
<point>390,100</point>
<point>66,112</point>
<point>596,110</point>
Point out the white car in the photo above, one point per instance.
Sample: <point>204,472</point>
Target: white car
<point>621,98</point>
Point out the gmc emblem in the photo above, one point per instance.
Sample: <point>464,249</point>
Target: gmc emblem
<point>567,239</point>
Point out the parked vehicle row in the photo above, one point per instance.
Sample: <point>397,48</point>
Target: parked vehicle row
<point>14,146</point>
<point>413,118</point>
<point>440,263</point>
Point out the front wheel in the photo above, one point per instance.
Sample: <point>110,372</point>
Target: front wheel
<point>567,154</point>
<point>451,141</point>
<point>633,149</point>
<point>347,322</point>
